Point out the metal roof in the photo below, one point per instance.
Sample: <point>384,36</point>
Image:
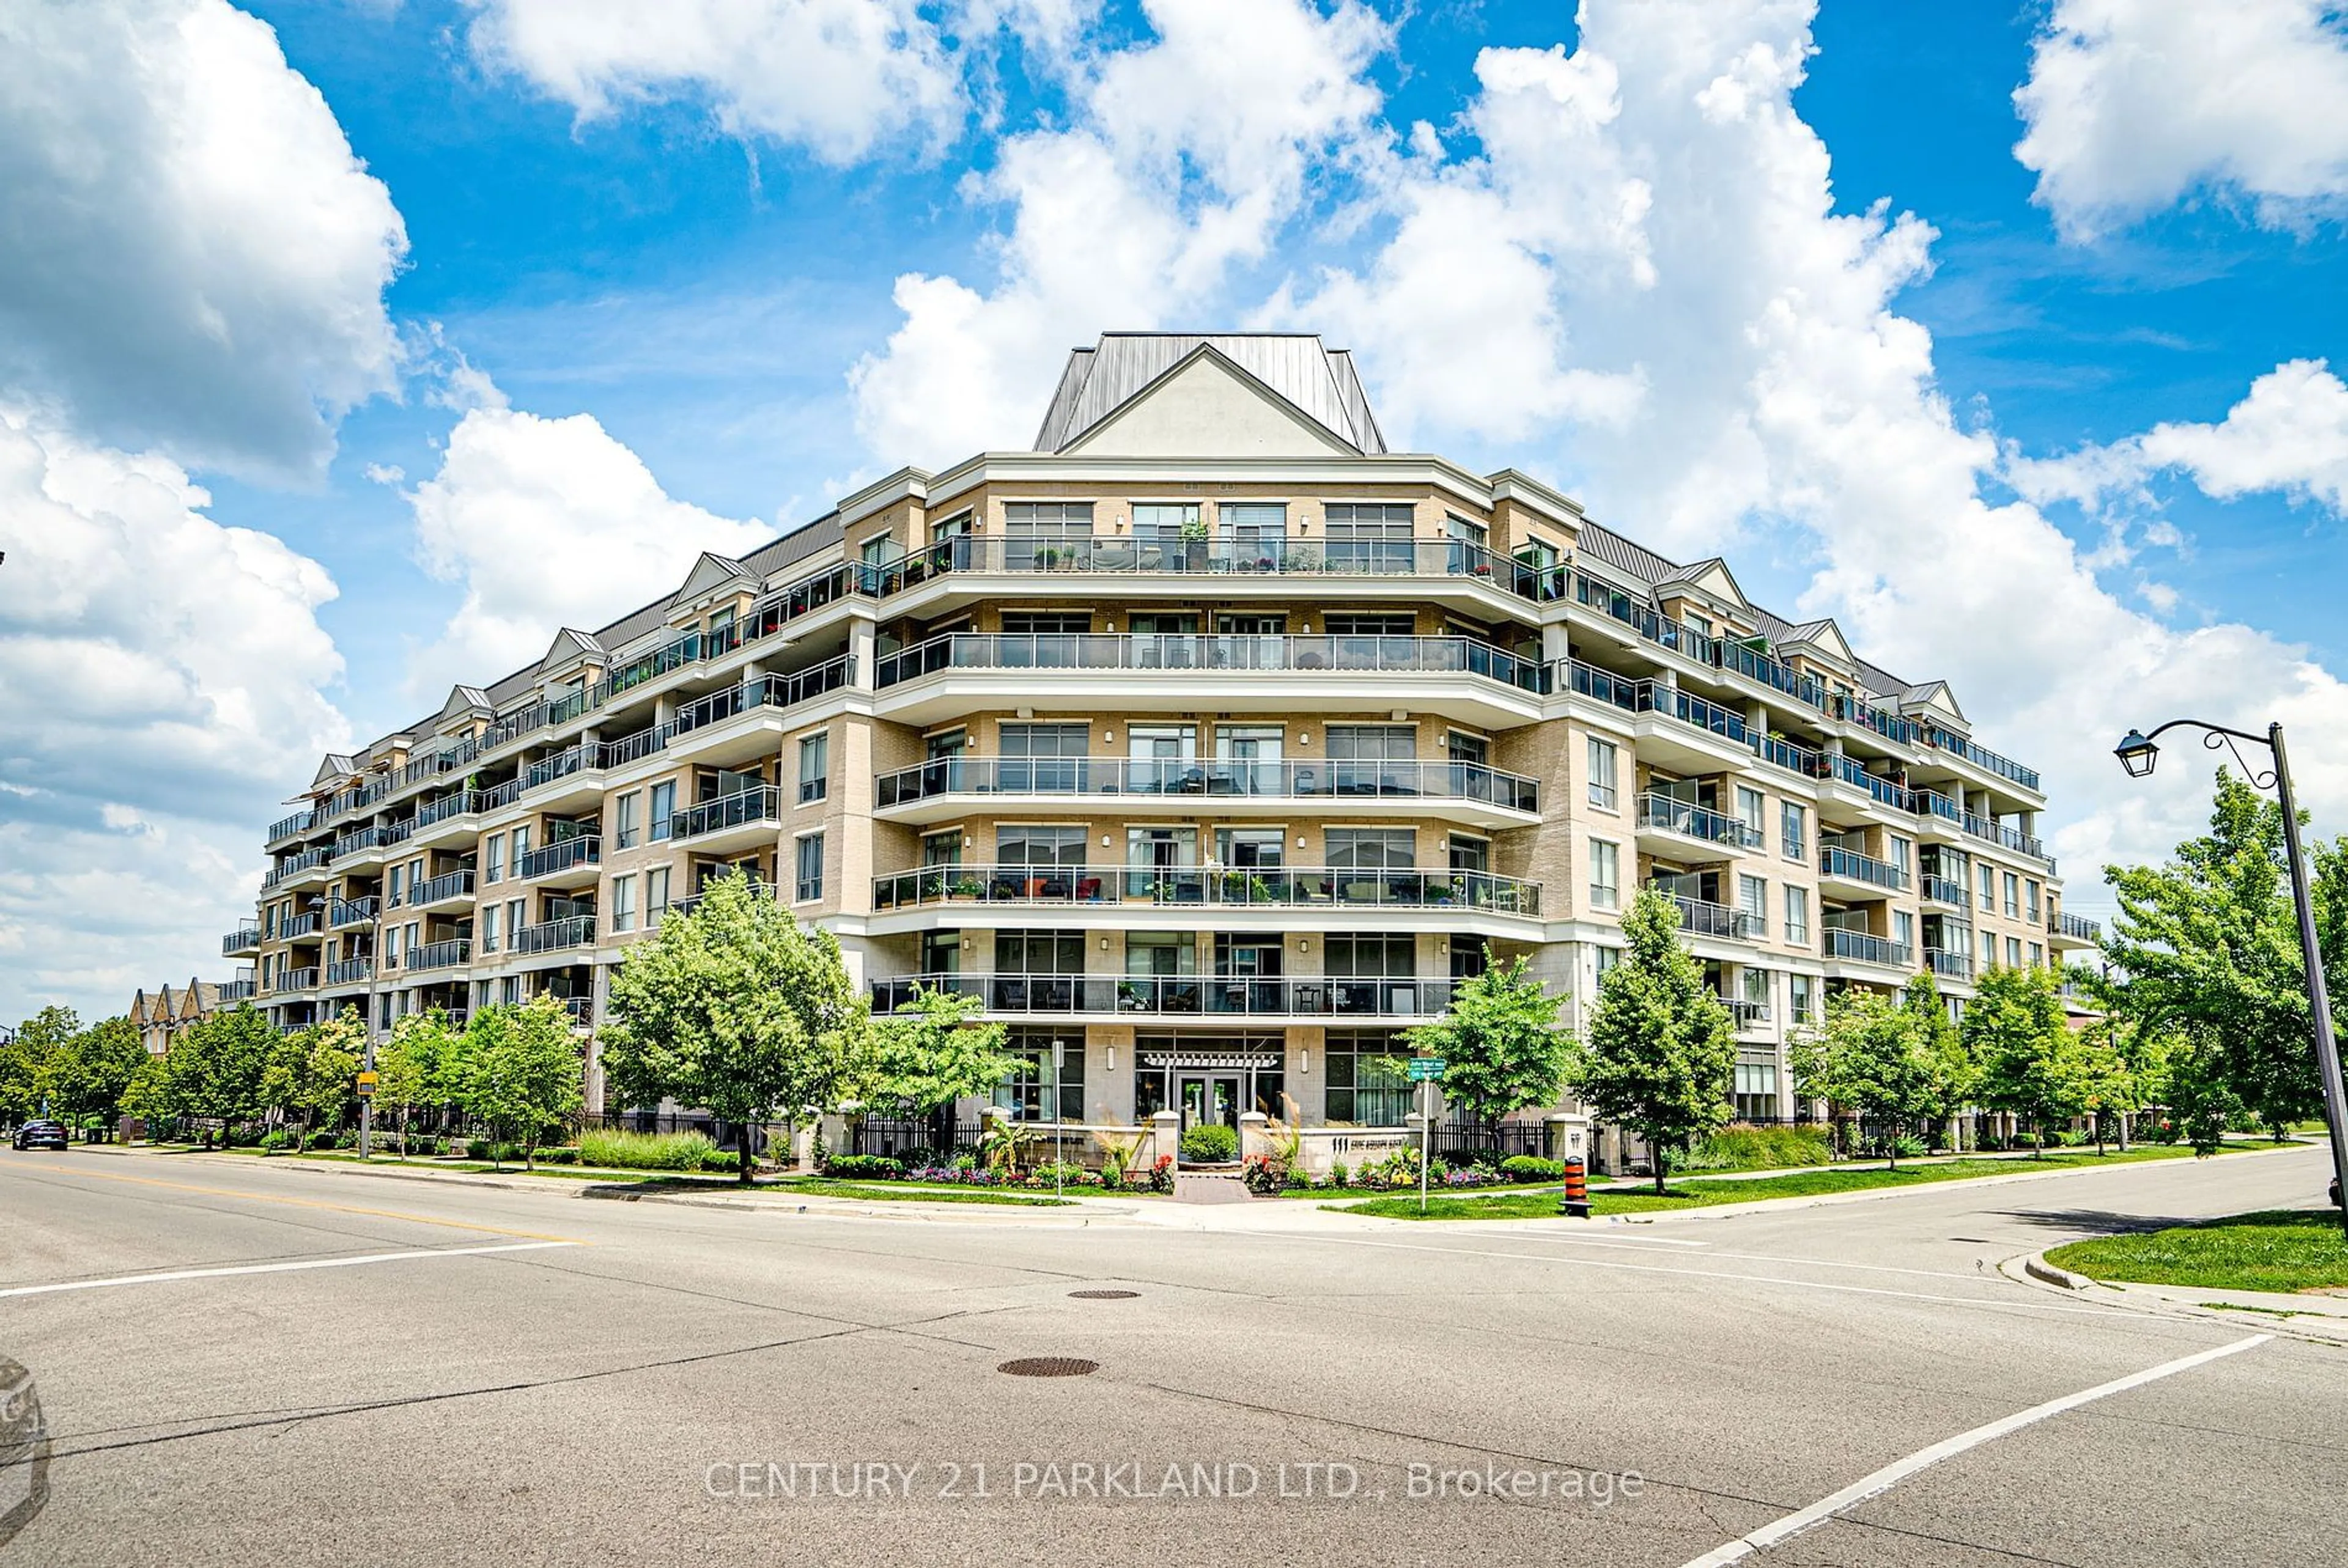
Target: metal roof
<point>1321,381</point>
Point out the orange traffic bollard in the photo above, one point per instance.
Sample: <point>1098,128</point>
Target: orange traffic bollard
<point>1577,1192</point>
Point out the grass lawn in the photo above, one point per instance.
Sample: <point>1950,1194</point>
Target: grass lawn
<point>2283,1250</point>
<point>817,1186</point>
<point>902,1192</point>
<point>1698,1193</point>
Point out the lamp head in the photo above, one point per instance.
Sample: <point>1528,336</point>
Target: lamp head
<point>2136,755</point>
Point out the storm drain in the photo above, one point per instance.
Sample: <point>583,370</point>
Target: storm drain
<point>1049,1367</point>
<point>1104,1294</point>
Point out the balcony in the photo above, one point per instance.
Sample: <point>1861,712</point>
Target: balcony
<point>443,955</point>
<point>571,776</point>
<point>735,821</point>
<point>1946,890</point>
<point>567,861</point>
<point>350,972</point>
<point>1300,670</point>
<point>300,928</point>
<point>448,888</point>
<point>1858,946</point>
<point>1747,1014</point>
<point>342,912</point>
<point>1943,817</point>
<point>1889,726</point>
<point>1263,889</point>
<point>296,869</point>
<point>1956,745</point>
<point>230,992</point>
<point>1231,553</point>
<point>359,842</point>
<point>1948,965</point>
<point>1699,918</point>
<point>692,901</point>
<point>943,788</point>
<point>1992,831</point>
<point>242,943</point>
<point>709,713</point>
<point>1181,996</point>
<point>553,936</point>
<point>301,980</point>
<point>2074,932</point>
<point>1838,770</point>
<point>1669,827</point>
<point>286,828</point>
<point>1843,873</point>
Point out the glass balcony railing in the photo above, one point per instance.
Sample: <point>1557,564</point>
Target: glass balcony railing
<point>1328,655</point>
<point>294,864</point>
<point>553,936</point>
<point>1948,965</point>
<point>440,889</point>
<point>293,927</point>
<point>344,912</point>
<point>1222,553</point>
<point>759,803</point>
<point>287,826</point>
<point>1865,949</point>
<point>1213,776</point>
<point>442,955</point>
<point>234,991</point>
<point>587,849</point>
<point>300,979</point>
<point>1664,814</point>
<point>238,943</point>
<point>1847,866</point>
<point>1930,803</point>
<point>1266,888</point>
<point>1946,890</point>
<point>1181,995</point>
<point>1956,745</point>
<point>350,972</point>
<point>2076,927</point>
<point>1699,918</point>
<point>462,802</point>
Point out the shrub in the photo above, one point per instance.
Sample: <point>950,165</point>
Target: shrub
<point>1210,1143</point>
<point>1340,1174</point>
<point>644,1151</point>
<point>1262,1174</point>
<point>864,1167</point>
<point>320,1141</point>
<point>1908,1146</point>
<point>276,1138</point>
<point>558,1156</point>
<point>1162,1174</point>
<point>1532,1168</point>
<point>727,1160</point>
<point>1746,1148</point>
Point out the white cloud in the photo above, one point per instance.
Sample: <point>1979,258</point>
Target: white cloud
<point>2289,434</point>
<point>547,523</point>
<point>1782,390</point>
<point>162,679</point>
<point>192,257</point>
<point>1185,157</point>
<point>2134,104</point>
<point>837,77</point>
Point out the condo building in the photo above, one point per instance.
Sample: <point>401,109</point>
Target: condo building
<point>1209,743</point>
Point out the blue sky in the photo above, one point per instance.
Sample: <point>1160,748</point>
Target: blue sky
<point>1746,276</point>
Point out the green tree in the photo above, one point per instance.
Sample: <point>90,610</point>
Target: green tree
<point>219,1065</point>
<point>1951,1073</point>
<point>1500,1042</point>
<point>311,1070</point>
<point>2032,1064</point>
<point>524,1070</point>
<point>2210,948</point>
<point>20,1079</point>
<point>931,1052</point>
<point>1661,1056</point>
<point>41,1041</point>
<point>406,1063</point>
<point>1870,1058</point>
<point>735,1009</point>
<point>89,1074</point>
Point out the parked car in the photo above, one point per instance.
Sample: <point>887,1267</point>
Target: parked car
<point>41,1134</point>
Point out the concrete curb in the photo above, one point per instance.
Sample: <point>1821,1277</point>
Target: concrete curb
<point>2038,1268</point>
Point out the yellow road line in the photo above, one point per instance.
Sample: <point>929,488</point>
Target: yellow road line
<point>316,1203</point>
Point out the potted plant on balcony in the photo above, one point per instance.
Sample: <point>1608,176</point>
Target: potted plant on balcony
<point>962,890</point>
<point>1194,543</point>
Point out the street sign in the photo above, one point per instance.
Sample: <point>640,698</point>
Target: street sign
<point>366,1083</point>
<point>1426,1069</point>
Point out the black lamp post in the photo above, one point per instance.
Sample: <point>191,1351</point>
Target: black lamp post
<point>2136,755</point>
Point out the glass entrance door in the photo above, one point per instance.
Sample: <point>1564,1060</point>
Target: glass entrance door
<point>1210,1099</point>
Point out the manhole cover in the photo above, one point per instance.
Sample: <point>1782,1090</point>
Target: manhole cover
<point>1049,1367</point>
<point>1104,1294</point>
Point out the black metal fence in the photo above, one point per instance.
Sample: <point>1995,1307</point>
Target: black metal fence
<point>1499,1139</point>
<point>896,1137</point>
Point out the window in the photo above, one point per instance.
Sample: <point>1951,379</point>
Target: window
<point>1371,849</point>
<point>655,895</point>
<point>1802,998</point>
<point>1252,848</point>
<point>2012,896</point>
<point>1469,958</point>
<point>1048,1084</point>
<point>2014,952</point>
<point>810,868</point>
<point>1365,1086</point>
<point>1903,857</point>
<point>1903,930</point>
<point>941,848</point>
<point>1603,759</point>
<point>623,903</point>
<point>2037,955</point>
<point>1607,958</point>
<point>1045,533</point>
<point>515,909</point>
<point>392,887</point>
<point>1798,917</point>
<point>2033,901</point>
<point>1794,831</point>
<point>1027,845</point>
<point>1470,853</point>
<point>1018,952</point>
<point>1391,955</point>
<point>1462,747</point>
<point>1399,623</point>
<point>1162,531</point>
<point>1459,528</point>
<point>1989,950</point>
<point>1988,889</point>
<point>1749,807</point>
<point>1258,530</point>
<point>627,826</point>
<point>1757,1091</point>
<point>815,766</point>
<point>391,947</point>
<point>1368,537</point>
<point>1605,875</point>
<point>493,858</point>
<point>1753,901</point>
<point>663,811</point>
<point>521,848</point>
<point>490,913</point>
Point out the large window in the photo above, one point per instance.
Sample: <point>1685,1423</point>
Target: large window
<point>1365,1079</point>
<point>1798,917</point>
<point>1371,849</point>
<point>1368,537</point>
<point>1018,952</point>
<point>1382,955</point>
<point>493,858</point>
<point>1163,531</point>
<point>1257,533</point>
<point>809,855</point>
<point>1749,809</point>
<point>1605,875</point>
<point>1042,757</point>
<point>663,811</point>
<point>815,767</point>
<point>1794,830</point>
<point>623,903</point>
<point>1604,760</point>
<point>1757,1091</point>
<point>1045,534</point>
<point>1048,1084</point>
<point>627,820</point>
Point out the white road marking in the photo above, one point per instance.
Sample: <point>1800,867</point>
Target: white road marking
<point>277,1268</point>
<point>1893,1474</point>
<point>1997,1303</point>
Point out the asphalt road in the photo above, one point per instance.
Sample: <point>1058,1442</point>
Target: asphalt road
<point>509,1377</point>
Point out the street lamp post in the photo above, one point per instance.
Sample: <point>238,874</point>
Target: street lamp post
<point>2136,755</point>
<point>366,1052</point>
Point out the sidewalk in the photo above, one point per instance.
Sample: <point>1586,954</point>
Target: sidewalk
<point>2307,1315</point>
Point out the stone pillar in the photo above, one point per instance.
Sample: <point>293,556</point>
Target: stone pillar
<point>1254,1138</point>
<point>1165,1134</point>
